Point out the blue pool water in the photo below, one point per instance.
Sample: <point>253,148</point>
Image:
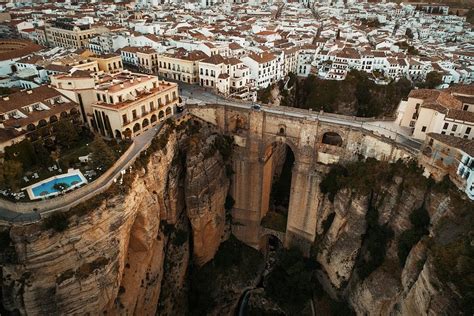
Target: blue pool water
<point>48,187</point>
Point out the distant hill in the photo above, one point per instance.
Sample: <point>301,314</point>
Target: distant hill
<point>461,4</point>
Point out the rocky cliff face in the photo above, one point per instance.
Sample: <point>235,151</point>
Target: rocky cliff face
<point>347,246</point>
<point>111,256</point>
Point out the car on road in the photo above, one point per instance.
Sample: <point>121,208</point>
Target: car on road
<point>256,107</point>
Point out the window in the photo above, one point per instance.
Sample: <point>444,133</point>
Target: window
<point>443,133</point>
<point>445,125</point>
<point>455,126</point>
<point>468,130</point>
<point>134,114</point>
<point>98,97</point>
<point>466,106</point>
<point>124,118</point>
<point>423,129</point>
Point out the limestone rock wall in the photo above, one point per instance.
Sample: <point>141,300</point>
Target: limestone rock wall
<point>206,188</point>
<point>111,257</point>
<point>391,289</point>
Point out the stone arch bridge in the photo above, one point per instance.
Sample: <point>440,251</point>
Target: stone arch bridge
<point>314,142</point>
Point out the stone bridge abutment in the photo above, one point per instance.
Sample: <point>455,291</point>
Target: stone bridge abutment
<point>258,135</point>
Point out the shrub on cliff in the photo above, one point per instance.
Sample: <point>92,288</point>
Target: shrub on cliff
<point>179,237</point>
<point>234,266</point>
<point>420,221</point>
<point>291,282</point>
<point>357,94</point>
<point>58,221</point>
<point>4,239</point>
<point>375,243</point>
<point>365,177</point>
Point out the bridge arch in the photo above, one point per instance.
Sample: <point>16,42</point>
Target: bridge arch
<point>331,137</point>
<point>277,161</point>
<point>279,140</point>
<point>270,241</point>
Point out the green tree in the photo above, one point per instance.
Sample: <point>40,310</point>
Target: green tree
<point>10,174</point>
<point>291,282</point>
<point>22,152</point>
<point>102,154</point>
<point>66,134</point>
<point>43,156</point>
<point>470,16</point>
<point>433,79</point>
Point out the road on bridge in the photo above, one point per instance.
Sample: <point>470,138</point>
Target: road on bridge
<point>195,94</point>
<point>198,95</point>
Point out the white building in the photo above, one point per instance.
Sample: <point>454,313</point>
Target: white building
<point>263,68</point>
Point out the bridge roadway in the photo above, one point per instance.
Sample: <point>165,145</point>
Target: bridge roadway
<point>386,128</point>
<point>198,95</point>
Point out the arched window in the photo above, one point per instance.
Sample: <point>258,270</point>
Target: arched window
<point>118,134</point>
<point>53,119</point>
<point>332,138</point>
<point>136,127</point>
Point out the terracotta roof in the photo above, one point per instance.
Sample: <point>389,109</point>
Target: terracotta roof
<point>214,59</point>
<point>466,145</point>
<point>435,99</point>
<point>23,98</point>
<point>262,57</point>
<point>462,89</point>
<point>460,115</point>
<point>9,133</point>
<point>234,46</point>
<point>12,48</point>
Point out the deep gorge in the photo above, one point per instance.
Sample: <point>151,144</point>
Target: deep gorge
<point>389,241</point>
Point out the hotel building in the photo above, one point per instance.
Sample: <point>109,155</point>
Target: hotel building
<point>128,104</point>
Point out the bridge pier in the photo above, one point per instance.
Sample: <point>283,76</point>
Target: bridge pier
<point>304,205</point>
<point>247,190</point>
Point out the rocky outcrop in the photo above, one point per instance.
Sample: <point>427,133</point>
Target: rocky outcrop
<point>206,188</point>
<point>111,256</point>
<point>412,289</point>
<point>342,242</point>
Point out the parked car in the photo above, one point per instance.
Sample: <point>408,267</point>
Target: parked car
<point>256,107</point>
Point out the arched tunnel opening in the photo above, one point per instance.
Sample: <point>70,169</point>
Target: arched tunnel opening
<point>277,186</point>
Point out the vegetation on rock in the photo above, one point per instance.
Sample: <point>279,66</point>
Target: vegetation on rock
<point>234,267</point>
<point>420,220</point>
<point>375,243</point>
<point>356,95</point>
<point>291,282</point>
<point>58,221</point>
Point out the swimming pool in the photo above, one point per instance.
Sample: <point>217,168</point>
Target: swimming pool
<point>45,188</point>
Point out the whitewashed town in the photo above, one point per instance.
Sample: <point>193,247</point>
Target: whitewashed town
<point>237,157</point>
